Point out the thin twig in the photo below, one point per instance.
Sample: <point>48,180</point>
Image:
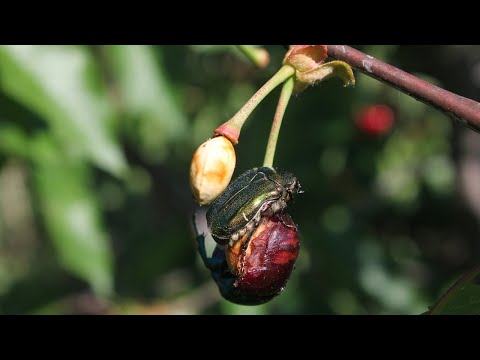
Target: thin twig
<point>277,121</point>
<point>464,110</point>
<point>231,128</point>
<point>259,56</point>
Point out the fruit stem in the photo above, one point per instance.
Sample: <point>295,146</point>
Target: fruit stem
<point>277,121</point>
<point>231,128</point>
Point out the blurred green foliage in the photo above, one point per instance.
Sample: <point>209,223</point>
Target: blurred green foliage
<point>95,209</point>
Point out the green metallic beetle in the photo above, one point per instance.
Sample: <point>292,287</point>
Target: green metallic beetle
<point>257,192</point>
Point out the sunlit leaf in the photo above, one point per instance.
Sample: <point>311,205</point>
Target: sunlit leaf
<point>13,141</point>
<point>53,81</point>
<point>72,216</point>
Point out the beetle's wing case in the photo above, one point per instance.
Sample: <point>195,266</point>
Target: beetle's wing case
<point>240,202</point>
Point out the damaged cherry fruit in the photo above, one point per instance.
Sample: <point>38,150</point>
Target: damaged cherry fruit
<point>257,267</point>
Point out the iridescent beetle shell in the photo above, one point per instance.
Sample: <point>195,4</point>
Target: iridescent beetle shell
<point>256,193</point>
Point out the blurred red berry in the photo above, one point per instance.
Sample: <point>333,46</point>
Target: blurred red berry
<point>375,119</point>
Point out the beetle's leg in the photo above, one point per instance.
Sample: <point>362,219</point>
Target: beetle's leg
<point>287,222</point>
<point>265,210</point>
<point>201,249</point>
<point>294,227</point>
<point>299,188</point>
<point>213,263</point>
<point>244,248</point>
<point>257,216</point>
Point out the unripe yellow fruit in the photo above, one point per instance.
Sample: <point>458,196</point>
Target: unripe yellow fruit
<point>211,169</point>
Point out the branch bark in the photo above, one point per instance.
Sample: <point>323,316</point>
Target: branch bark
<point>459,108</point>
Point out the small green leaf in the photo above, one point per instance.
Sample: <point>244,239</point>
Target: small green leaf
<point>463,298</point>
<point>323,72</point>
<point>72,217</point>
<point>53,81</point>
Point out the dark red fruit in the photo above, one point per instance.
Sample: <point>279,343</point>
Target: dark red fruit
<point>266,258</point>
<point>257,266</point>
<point>375,119</point>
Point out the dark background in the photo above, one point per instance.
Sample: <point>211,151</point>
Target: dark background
<point>95,208</point>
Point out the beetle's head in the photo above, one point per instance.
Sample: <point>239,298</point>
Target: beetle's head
<point>291,185</point>
<point>293,188</point>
